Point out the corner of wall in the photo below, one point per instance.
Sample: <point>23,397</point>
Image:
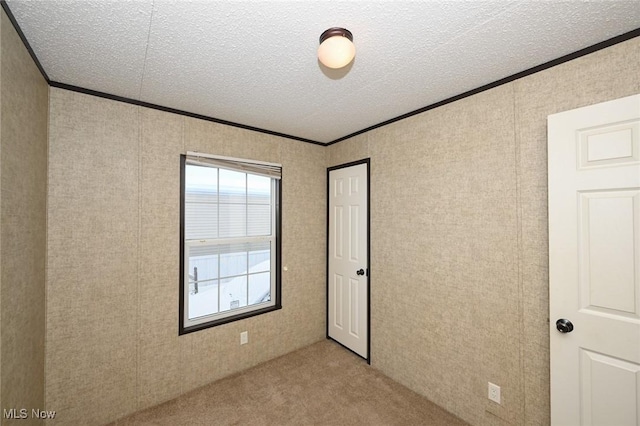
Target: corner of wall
<point>46,254</point>
<point>23,141</point>
<point>1,13</point>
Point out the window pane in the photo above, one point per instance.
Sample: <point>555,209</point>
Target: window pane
<point>201,184</point>
<point>205,301</point>
<point>233,187</point>
<point>201,197</point>
<point>200,221</point>
<point>260,257</point>
<point>233,260</point>
<point>258,219</point>
<point>205,259</point>
<point>259,288</point>
<point>233,293</point>
<point>233,220</point>
<point>258,189</point>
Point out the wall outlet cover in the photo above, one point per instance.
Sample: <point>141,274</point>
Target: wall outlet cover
<point>494,392</point>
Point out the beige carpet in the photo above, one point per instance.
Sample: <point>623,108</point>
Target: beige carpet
<point>322,384</point>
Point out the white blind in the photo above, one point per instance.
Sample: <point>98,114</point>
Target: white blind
<point>271,170</point>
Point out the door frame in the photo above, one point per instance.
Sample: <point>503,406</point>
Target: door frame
<point>366,161</point>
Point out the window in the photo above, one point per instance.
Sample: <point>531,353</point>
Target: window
<point>230,240</point>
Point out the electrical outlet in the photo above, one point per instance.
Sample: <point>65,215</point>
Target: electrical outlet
<point>494,392</point>
<point>244,337</point>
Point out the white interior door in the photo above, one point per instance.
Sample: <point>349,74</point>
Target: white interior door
<point>348,263</point>
<point>594,264</point>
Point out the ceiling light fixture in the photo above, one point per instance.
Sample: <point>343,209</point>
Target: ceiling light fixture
<point>336,47</point>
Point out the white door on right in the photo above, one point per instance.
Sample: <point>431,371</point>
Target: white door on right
<point>348,251</point>
<point>594,264</point>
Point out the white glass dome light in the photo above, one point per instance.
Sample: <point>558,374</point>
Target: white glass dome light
<point>336,48</point>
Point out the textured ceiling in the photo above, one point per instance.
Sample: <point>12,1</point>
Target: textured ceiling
<point>254,62</point>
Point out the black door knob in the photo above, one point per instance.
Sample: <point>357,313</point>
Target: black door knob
<point>564,325</point>
<point>360,272</point>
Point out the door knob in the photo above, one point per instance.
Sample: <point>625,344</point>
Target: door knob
<point>564,325</point>
<point>360,272</point>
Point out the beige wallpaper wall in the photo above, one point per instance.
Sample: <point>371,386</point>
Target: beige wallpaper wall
<point>23,174</point>
<point>459,268</point>
<point>1,19</point>
<point>113,247</point>
<point>23,165</point>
